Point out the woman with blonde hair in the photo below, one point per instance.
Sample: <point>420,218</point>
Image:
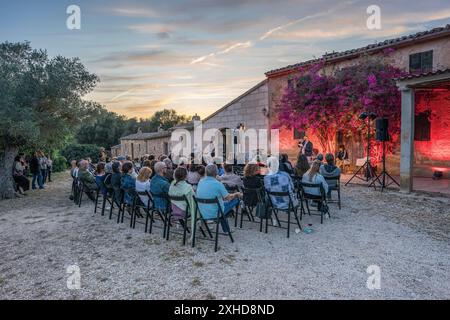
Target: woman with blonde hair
<point>143,183</point>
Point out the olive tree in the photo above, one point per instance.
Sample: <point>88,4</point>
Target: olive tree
<point>40,102</point>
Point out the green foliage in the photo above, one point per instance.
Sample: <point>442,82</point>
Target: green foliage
<point>59,163</point>
<point>104,128</point>
<point>80,151</point>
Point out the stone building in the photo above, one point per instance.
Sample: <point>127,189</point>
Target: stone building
<point>139,144</point>
<point>431,49</point>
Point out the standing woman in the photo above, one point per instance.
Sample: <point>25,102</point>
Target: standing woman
<point>35,170</point>
<point>43,166</point>
<point>49,168</point>
<point>23,184</point>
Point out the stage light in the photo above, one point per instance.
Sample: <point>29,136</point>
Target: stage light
<point>363,116</point>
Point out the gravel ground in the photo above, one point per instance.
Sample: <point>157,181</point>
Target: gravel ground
<point>407,236</point>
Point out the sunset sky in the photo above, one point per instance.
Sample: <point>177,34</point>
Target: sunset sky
<point>197,55</point>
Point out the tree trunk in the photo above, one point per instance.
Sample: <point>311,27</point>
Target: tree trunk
<point>6,166</point>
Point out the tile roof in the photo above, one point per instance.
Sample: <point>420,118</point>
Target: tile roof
<point>424,74</point>
<point>146,135</point>
<point>436,32</point>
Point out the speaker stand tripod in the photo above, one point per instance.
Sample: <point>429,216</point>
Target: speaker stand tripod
<point>384,175</point>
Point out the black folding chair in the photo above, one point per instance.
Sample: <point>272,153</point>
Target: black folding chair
<point>320,199</point>
<point>117,199</point>
<point>220,217</point>
<point>251,198</point>
<point>183,222</point>
<point>288,210</point>
<point>128,206</point>
<point>145,206</point>
<point>334,184</point>
<point>81,190</point>
<point>233,189</point>
<point>100,194</point>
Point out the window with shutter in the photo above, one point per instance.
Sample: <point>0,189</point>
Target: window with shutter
<point>421,62</point>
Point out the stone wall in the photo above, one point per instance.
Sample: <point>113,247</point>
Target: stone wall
<point>434,154</point>
<point>138,148</point>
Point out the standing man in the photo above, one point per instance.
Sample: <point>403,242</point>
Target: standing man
<point>35,170</point>
<point>306,147</point>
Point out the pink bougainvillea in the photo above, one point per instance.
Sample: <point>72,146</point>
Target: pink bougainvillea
<point>328,103</point>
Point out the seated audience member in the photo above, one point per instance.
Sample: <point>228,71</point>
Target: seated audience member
<point>220,169</point>
<point>210,188</point>
<point>169,171</point>
<point>74,168</point>
<point>302,165</point>
<point>108,166</point>
<point>319,157</point>
<point>342,157</point>
<point>286,165</point>
<point>252,180</point>
<point>230,178</point>
<point>183,162</point>
<point>137,164</point>
<point>201,171</point>
<point>146,163</point>
<point>313,176</point>
<point>193,175</point>
<point>152,166</point>
<point>159,185</point>
<point>279,181</point>
<point>330,170</point>
<point>22,182</point>
<point>100,176</point>
<point>143,183</point>
<point>87,178</point>
<point>116,180</point>
<point>128,181</point>
<point>178,188</point>
<point>91,167</point>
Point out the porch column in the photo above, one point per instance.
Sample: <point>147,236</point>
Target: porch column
<point>407,140</point>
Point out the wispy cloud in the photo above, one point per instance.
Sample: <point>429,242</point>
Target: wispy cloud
<point>134,12</point>
<point>239,45</point>
<point>309,17</point>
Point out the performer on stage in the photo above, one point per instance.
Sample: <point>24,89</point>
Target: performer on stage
<point>306,147</point>
<point>342,157</point>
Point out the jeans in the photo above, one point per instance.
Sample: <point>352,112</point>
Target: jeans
<point>44,175</point>
<point>37,177</point>
<point>227,207</point>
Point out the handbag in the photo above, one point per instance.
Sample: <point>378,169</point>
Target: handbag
<point>262,210</point>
